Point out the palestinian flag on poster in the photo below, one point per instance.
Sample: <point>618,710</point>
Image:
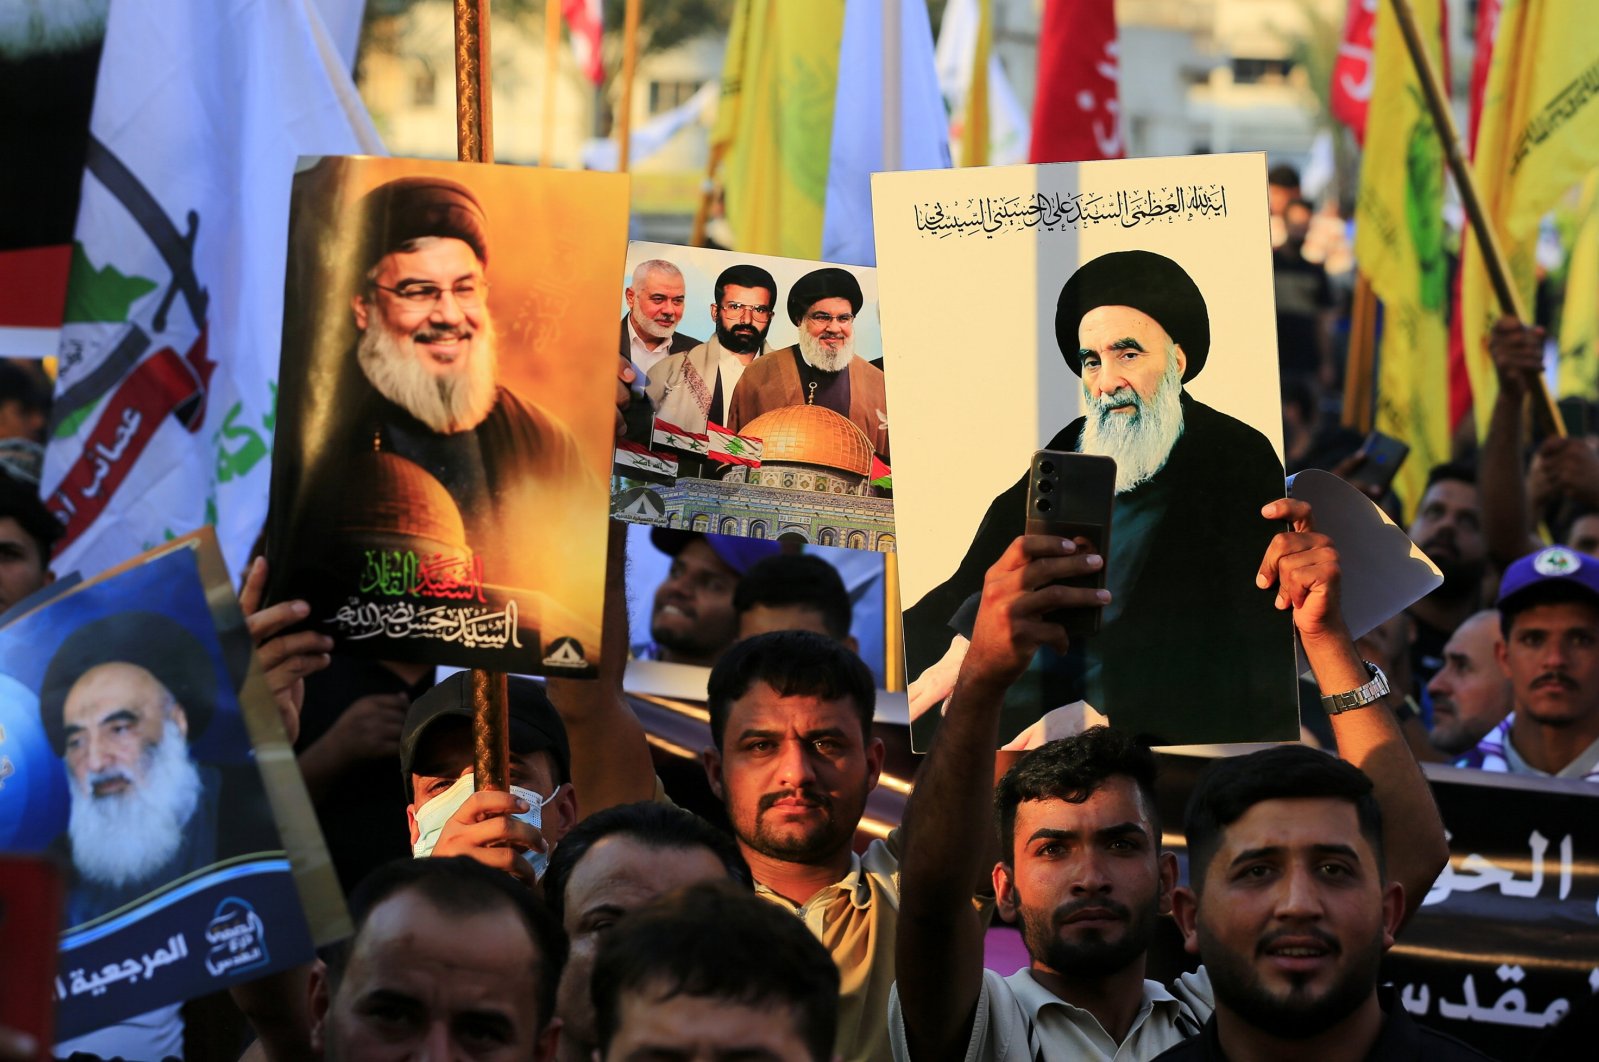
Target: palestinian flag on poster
<point>882,476</point>
<point>669,434</point>
<point>636,462</point>
<point>731,449</point>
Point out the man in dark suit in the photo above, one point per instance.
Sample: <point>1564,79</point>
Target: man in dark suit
<point>649,333</point>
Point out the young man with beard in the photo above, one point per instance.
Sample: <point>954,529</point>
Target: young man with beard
<point>1081,865</point>
<point>694,620</point>
<point>1190,484</point>
<point>1549,616</point>
<point>1291,909</point>
<point>1448,528</point>
<point>821,368</point>
<point>694,387</point>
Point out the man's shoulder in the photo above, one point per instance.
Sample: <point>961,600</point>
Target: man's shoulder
<point>681,343</point>
<point>520,412</point>
<point>1224,426</point>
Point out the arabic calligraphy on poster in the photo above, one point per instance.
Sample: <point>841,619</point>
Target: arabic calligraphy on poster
<point>1055,212</point>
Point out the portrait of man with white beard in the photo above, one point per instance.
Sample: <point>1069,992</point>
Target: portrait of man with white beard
<point>1185,617</point>
<point>122,701</point>
<point>821,367</point>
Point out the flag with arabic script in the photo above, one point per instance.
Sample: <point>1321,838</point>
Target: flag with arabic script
<point>166,401</point>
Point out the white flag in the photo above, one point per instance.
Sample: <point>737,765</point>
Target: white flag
<point>166,400</point>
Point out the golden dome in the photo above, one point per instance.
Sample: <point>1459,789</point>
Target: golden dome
<point>387,495</point>
<point>811,435</point>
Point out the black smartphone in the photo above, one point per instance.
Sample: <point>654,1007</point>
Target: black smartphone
<point>1070,495</point>
<point>1384,454</point>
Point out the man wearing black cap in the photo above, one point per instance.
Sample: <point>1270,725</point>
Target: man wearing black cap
<point>821,368</point>
<point>123,700</point>
<point>427,349</point>
<point>1185,614</point>
<point>693,387</point>
<point>512,831</point>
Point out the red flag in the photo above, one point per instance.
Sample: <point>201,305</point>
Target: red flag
<point>1352,73</point>
<point>1076,113</point>
<point>586,24</point>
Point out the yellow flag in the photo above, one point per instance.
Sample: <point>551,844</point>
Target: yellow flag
<point>1399,243</point>
<point>775,123</point>
<point>1538,136</point>
<point>974,123</point>
<point>1579,320</point>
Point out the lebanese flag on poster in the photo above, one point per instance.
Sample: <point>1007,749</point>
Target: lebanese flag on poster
<point>1076,113</point>
<point>586,25</point>
<point>731,449</point>
<point>1352,73</point>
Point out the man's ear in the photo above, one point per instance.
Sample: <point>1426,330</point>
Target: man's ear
<point>711,758</point>
<point>320,990</point>
<point>1004,892</point>
<point>1168,881</point>
<point>544,1048</point>
<point>561,812</point>
<point>875,753</point>
<point>1185,912</point>
<point>1182,358</point>
<point>627,293</point>
<point>361,310</point>
<point>1393,912</point>
<point>1502,657</point>
<point>181,718</point>
<point>410,819</point>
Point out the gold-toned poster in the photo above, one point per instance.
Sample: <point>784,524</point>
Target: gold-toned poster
<point>448,409</point>
<point>1121,309</point>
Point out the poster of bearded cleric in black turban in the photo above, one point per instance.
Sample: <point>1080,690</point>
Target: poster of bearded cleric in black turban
<point>759,407</point>
<point>448,409</point>
<point>1123,309</point>
<point>126,754</point>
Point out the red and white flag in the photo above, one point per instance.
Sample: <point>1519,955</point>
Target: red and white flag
<point>1076,110</point>
<point>1352,73</point>
<point>586,24</point>
<point>732,449</point>
<point>668,434</point>
<point>637,462</point>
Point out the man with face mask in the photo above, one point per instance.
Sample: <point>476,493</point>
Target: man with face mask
<point>694,386</point>
<point>512,831</point>
<point>1182,562</point>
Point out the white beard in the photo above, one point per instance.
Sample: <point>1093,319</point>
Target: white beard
<point>819,357</point>
<point>448,404</point>
<point>44,27</point>
<point>1140,442</point>
<point>127,836</point>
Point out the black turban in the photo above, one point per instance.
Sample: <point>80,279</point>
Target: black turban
<point>157,643</point>
<point>819,284</point>
<point>1148,282</point>
<point>413,207</point>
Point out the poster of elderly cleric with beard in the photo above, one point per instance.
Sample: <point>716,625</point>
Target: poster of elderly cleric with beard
<point>448,398</point>
<point>775,425</point>
<point>125,753</point>
<point>1116,308</point>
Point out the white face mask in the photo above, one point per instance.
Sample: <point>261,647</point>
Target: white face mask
<point>431,817</point>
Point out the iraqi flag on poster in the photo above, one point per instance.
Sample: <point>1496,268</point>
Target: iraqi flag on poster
<point>637,462</point>
<point>733,449</point>
<point>668,434</point>
<point>167,394</point>
<point>1076,110</point>
<point>1353,71</point>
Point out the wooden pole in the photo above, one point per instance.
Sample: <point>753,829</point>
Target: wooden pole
<point>893,627</point>
<point>1360,382</point>
<point>1493,256</point>
<point>552,62</point>
<point>474,141</point>
<point>702,213</point>
<point>624,112</point>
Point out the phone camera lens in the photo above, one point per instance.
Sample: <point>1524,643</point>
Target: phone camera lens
<point>1047,467</point>
<point>1045,486</point>
<point>1042,505</point>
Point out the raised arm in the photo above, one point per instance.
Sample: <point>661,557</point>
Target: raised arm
<point>947,820</point>
<point>1304,566</point>
<point>1517,353</point>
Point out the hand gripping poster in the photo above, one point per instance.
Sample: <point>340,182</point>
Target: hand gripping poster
<point>759,407</point>
<point>1122,309</point>
<point>140,748</point>
<point>449,409</point>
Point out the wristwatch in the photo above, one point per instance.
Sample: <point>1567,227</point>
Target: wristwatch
<point>1372,692</point>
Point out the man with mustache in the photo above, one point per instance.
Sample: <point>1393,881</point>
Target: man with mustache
<point>693,619</point>
<point>1470,695</point>
<point>1448,528</point>
<point>1549,614</point>
<point>1187,535</point>
<point>654,310</point>
<point>821,367</point>
<point>428,352</point>
<point>695,386</point>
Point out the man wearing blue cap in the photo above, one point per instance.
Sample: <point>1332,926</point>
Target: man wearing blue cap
<point>694,620</point>
<point>1186,616</point>
<point>1549,613</point>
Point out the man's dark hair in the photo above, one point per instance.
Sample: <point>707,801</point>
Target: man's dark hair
<point>799,579</point>
<point>1283,175</point>
<point>19,385</point>
<point>1231,786</point>
<point>795,664</point>
<point>1299,201</point>
<point>460,886</point>
<point>1073,769</point>
<point>654,825</point>
<point>745,275</point>
<point>21,503</point>
<point>1458,471</point>
<point>714,941</point>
